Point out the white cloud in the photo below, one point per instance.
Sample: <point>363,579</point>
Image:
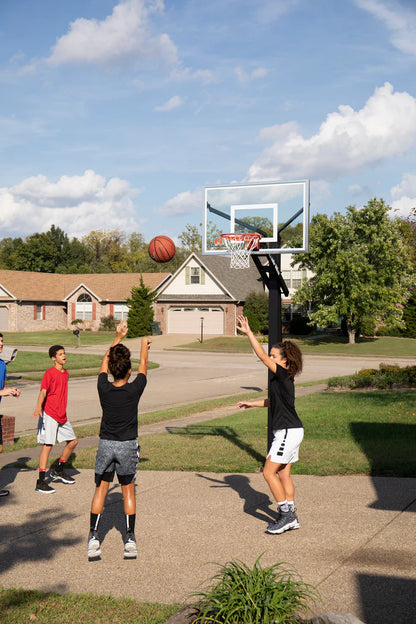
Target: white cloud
<point>183,203</point>
<point>404,196</point>
<point>77,204</point>
<point>173,102</point>
<point>400,21</point>
<point>243,76</point>
<point>205,76</point>
<point>124,35</point>
<point>347,141</point>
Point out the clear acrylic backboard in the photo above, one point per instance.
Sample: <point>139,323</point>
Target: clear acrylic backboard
<point>278,211</point>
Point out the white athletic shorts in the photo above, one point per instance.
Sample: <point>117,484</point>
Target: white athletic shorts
<point>50,431</point>
<point>285,446</point>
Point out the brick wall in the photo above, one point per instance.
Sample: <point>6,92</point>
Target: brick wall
<point>54,317</point>
<point>7,425</point>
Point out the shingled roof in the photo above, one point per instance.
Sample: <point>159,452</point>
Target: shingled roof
<point>238,282</point>
<point>33,286</point>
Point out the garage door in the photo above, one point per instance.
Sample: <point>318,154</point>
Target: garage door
<point>187,320</point>
<point>4,318</point>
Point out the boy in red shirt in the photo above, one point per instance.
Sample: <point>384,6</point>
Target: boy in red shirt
<point>53,424</point>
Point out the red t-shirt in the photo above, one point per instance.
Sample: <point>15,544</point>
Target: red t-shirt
<point>55,383</point>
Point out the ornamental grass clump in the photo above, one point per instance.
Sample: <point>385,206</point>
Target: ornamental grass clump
<point>240,595</point>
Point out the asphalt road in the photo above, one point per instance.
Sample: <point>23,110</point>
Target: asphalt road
<point>183,377</point>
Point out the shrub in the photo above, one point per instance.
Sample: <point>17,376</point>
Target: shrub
<point>387,376</point>
<point>108,323</point>
<point>76,321</point>
<point>240,595</point>
<point>367,326</point>
<point>256,309</point>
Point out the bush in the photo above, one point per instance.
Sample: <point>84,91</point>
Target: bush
<point>367,326</point>
<point>256,309</point>
<point>108,323</point>
<point>387,376</point>
<point>76,321</point>
<point>241,595</point>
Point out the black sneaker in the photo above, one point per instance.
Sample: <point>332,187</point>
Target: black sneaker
<point>130,547</point>
<point>61,475</point>
<point>94,546</point>
<point>4,492</point>
<point>43,487</point>
<point>288,520</point>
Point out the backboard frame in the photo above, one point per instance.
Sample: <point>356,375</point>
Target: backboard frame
<point>295,210</point>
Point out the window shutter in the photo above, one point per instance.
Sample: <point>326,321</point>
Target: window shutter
<point>34,312</point>
<point>73,312</point>
<point>94,311</point>
<point>187,275</point>
<point>43,312</point>
<point>202,276</point>
<point>111,309</point>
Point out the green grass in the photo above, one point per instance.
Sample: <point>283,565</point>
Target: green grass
<point>333,345</point>
<point>39,361</point>
<point>345,433</point>
<point>65,337</point>
<point>20,605</point>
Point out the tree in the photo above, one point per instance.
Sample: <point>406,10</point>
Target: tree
<point>191,238</point>
<point>140,313</point>
<point>256,308</point>
<point>362,268</point>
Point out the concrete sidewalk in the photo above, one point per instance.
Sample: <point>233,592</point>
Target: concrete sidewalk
<point>356,543</point>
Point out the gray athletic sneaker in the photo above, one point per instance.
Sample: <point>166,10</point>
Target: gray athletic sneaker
<point>287,521</point>
<point>130,547</point>
<point>94,546</point>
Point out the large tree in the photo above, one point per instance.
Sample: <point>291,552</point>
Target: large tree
<point>140,313</point>
<point>362,267</point>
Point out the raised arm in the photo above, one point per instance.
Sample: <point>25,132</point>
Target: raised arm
<point>121,332</point>
<point>244,327</point>
<point>144,355</point>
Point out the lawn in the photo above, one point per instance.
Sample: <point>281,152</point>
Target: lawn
<point>333,345</point>
<point>63,337</point>
<point>20,605</point>
<point>345,433</point>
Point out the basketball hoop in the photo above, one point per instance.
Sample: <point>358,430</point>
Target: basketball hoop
<point>240,247</point>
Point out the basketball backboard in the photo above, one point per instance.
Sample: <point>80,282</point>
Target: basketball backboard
<point>279,211</point>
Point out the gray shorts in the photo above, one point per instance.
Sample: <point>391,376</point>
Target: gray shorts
<point>50,431</point>
<point>116,456</point>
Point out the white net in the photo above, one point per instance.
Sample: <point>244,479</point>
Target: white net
<point>240,247</point>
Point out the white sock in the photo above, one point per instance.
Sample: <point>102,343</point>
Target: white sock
<point>283,506</point>
<point>291,505</point>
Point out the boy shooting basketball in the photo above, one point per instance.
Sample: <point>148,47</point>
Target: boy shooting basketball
<point>118,449</point>
<point>284,362</point>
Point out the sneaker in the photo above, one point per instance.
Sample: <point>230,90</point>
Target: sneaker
<point>287,521</point>
<point>43,487</point>
<point>4,492</point>
<point>94,546</point>
<point>57,475</point>
<point>130,548</point>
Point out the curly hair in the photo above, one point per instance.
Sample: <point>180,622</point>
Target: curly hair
<point>290,350</point>
<point>119,362</point>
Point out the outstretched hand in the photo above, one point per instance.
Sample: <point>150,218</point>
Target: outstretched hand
<point>121,330</point>
<point>146,342</point>
<point>243,326</point>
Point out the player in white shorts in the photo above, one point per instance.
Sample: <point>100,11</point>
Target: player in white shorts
<point>284,362</point>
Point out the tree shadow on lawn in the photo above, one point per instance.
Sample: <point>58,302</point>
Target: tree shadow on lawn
<point>390,450</point>
<point>257,504</point>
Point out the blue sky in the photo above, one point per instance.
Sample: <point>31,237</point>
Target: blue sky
<point>115,114</point>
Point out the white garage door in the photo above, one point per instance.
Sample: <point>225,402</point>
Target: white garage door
<point>4,318</point>
<point>187,320</point>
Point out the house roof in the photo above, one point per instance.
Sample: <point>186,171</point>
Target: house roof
<point>238,282</point>
<point>33,286</point>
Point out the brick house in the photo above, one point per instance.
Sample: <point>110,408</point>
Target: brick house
<point>44,301</point>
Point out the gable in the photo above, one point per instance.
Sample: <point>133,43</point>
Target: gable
<point>193,278</point>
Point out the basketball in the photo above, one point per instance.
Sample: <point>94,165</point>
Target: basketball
<point>161,248</point>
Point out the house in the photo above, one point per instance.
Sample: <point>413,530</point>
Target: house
<point>205,291</point>
<point>31,301</point>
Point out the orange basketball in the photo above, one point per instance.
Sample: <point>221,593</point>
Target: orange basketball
<point>161,248</point>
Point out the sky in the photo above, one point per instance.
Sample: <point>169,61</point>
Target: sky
<point>115,114</point>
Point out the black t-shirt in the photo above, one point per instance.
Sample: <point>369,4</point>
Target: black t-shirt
<point>282,401</point>
<point>119,404</point>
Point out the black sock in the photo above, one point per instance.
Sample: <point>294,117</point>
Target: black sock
<point>130,522</point>
<point>42,474</point>
<point>61,464</point>
<point>94,521</point>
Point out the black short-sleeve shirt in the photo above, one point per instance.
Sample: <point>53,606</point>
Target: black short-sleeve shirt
<point>119,405</point>
<point>282,401</point>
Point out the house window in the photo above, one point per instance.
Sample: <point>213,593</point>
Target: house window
<point>195,275</point>
<point>296,279</point>
<point>39,313</point>
<point>83,308</point>
<point>121,311</point>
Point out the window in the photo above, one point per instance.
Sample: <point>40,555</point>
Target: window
<point>121,311</point>
<point>296,279</point>
<point>39,315</point>
<point>195,275</point>
<point>83,308</point>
